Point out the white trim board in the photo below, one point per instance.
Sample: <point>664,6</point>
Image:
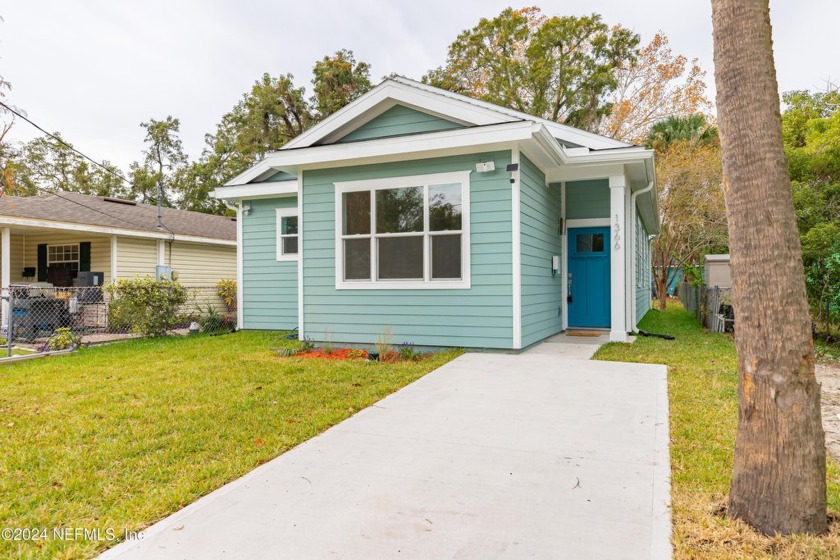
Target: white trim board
<point>516,244</point>
<point>65,226</point>
<point>586,222</point>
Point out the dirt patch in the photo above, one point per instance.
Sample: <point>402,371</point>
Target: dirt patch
<point>828,375</point>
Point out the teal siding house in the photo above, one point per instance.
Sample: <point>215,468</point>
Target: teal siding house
<point>446,221</point>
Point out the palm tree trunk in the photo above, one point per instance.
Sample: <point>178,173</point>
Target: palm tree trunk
<point>778,482</point>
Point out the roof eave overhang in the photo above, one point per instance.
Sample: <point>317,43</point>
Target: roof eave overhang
<point>107,230</point>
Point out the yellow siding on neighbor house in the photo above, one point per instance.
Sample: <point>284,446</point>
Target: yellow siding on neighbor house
<point>198,264</point>
<point>100,250</point>
<point>136,257</point>
<point>17,260</point>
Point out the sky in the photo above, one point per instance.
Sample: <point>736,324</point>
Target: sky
<point>95,69</point>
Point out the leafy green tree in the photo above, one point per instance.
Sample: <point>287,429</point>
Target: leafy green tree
<point>559,68</point>
<point>46,164</point>
<point>163,163</point>
<point>693,128</point>
<point>811,131</point>
<point>337,81</point>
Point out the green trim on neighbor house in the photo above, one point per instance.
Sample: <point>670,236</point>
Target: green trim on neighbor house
<point>540,240</point>
<point>397,121</point>
<point>270,288</point>
<point>588,199</point>
<point>478,317</point>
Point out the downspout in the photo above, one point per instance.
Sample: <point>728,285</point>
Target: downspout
<point>633,207</point>
<point>240,285</point>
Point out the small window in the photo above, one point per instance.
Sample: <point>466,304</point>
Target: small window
<point>287,234</point>
<point>589,243</point>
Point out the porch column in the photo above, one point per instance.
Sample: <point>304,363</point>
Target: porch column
<point>618,264</point>
<point>6,269</point>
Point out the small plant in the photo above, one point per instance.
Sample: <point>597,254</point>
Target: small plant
<point>210,320</point>
<point>409,353</point>
<point>62,339</point>
<point>227,291</point>
<point>327,346</point>
<point>383,341</point>
<point>356,353</point>
<point>286,351</point>
<point>306,344</point>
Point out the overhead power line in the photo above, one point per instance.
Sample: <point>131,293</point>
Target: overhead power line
<point>60,140</point>
<point>90,159</point>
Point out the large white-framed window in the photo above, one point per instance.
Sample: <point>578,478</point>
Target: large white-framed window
<point>287,234</point>
<point>403,232</point>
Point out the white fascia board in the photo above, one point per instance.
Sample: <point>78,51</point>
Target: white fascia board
<point>256,190</point>
<point>393,91</point>
<point>462,140</point>
<point>565,132</point>
<point>105,230</point>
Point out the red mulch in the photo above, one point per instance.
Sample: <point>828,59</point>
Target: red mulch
<point>337,354</point>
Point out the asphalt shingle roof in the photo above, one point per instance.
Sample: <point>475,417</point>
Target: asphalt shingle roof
<point>103,212</point>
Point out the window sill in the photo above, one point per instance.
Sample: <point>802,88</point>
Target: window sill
<point>405,285</point>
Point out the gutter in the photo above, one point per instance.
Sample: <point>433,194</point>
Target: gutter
<point>633,197</point>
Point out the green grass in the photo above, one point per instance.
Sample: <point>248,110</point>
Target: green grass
<point>702,384</point>
<point>122,435</point>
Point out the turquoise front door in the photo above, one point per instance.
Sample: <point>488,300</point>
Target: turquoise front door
<point>589,277</point>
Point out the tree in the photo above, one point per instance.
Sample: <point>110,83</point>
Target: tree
<point>268,116</point>
<point>691,207</point>
<point>811,132</point>
<point>778,482</point>
<point>48,164</point>
<point>673,129</point>
<point>337,81</point>
<point>558,68</point>
<point>157,178</point>
<point>657,85</point>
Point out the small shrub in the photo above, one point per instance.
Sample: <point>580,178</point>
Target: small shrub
<point>327,346</point>
<point>409,353</point>
<point>62,339</point>
<point>306,344</point>
<point>227,291</point>
<point>144,305</point>
<point>383,341</point>
<point>356,353</point>
<point>286,351</point>
<point>210,320</point>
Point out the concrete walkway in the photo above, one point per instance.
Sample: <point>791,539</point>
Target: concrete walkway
<point>545,454</point>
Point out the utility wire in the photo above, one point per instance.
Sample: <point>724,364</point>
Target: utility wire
<point>90,159</point>
<point>60,140</point>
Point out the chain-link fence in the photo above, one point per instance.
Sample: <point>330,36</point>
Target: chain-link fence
<point>712,306</point>
<point>32,314</point>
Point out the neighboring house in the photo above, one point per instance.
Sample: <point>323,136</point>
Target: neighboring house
<point>54,237</point>
<point>447,221</point>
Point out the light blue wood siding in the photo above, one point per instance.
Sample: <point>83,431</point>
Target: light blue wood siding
<point>588,199</point>
<point>642,271</point>
<point>270,288</point>
<point>399,120</point>
<point>480,317</point>
<point>541,290</point>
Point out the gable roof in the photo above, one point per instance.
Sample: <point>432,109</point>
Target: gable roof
<point>440,102</point>
<point>104,212</point>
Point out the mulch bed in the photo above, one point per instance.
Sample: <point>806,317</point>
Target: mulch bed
<point>345,354</point>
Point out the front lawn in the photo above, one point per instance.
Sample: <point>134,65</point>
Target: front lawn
<point>119,436</point>
<point>702,383</point>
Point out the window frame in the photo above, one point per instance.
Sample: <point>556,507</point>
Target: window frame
<point>424,181</point>
<point>77,260</point>
<point>286,213</point>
